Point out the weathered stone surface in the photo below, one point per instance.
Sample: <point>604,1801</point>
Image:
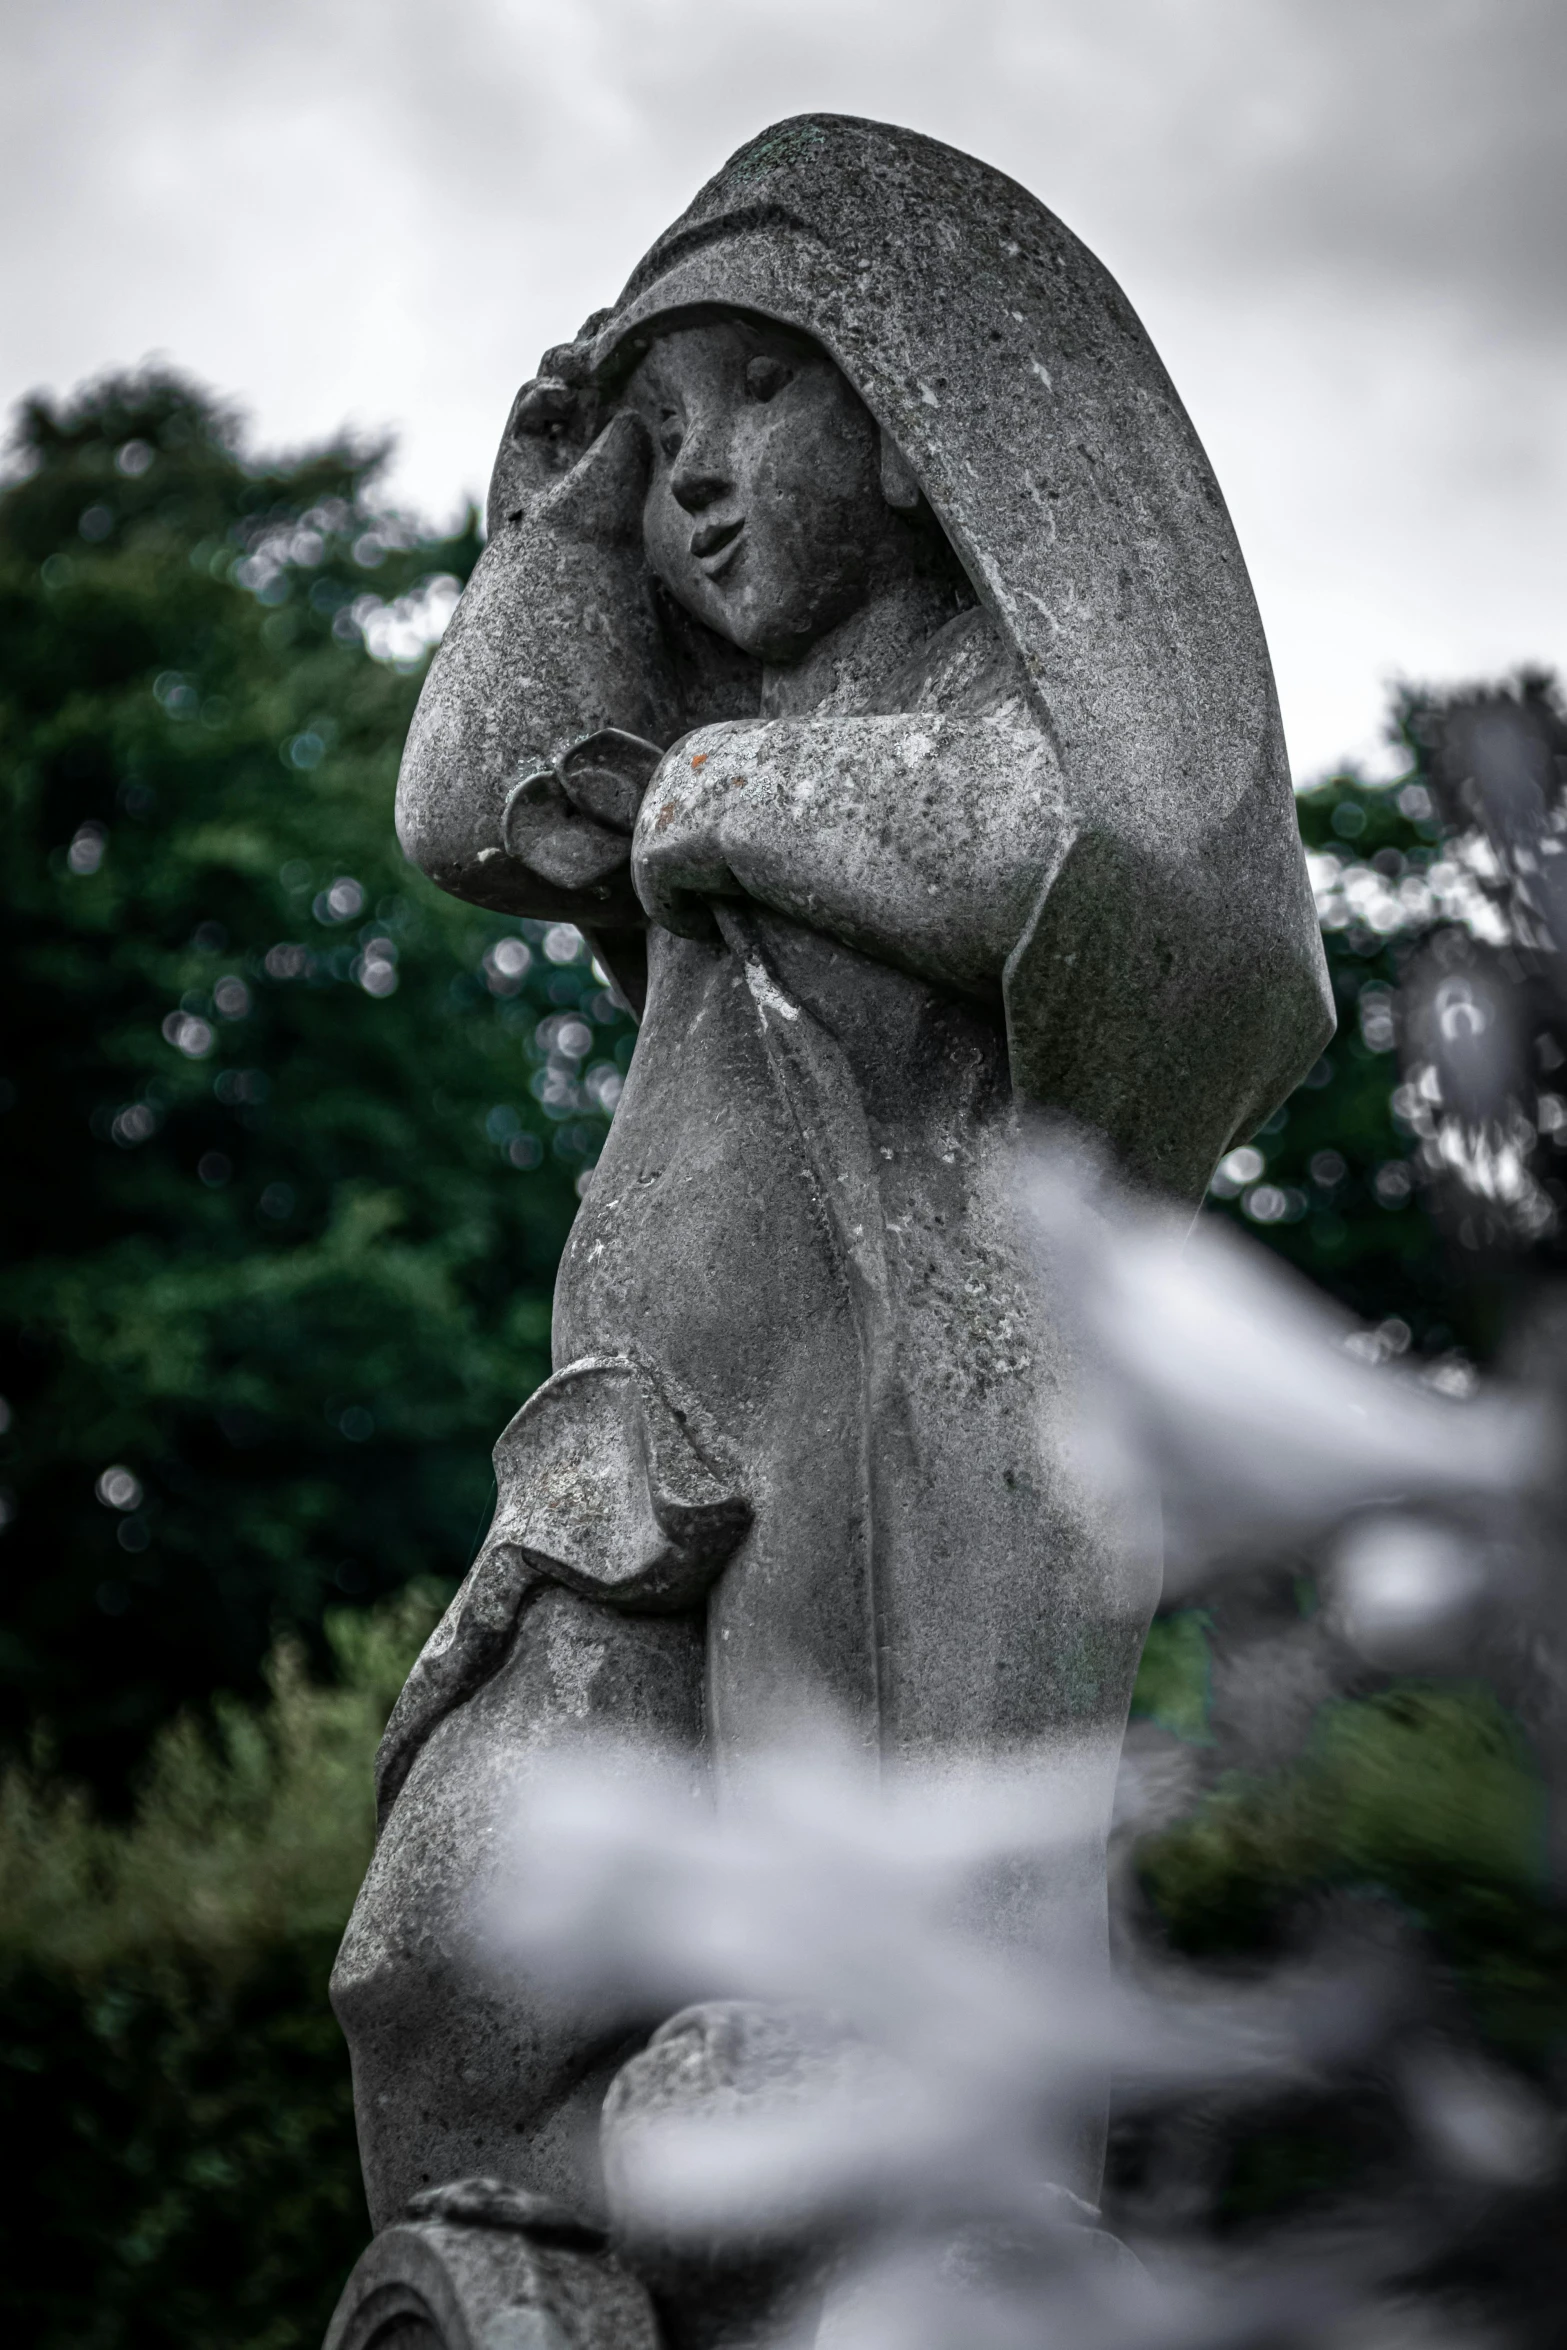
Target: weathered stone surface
<point>461,2069</point>
<point>475,2283</point>
<point>935,780</point>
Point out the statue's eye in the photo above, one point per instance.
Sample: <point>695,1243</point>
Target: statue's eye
<point>765,377</point>
<point>670,434</point>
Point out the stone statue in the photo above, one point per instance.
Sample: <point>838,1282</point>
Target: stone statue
<point>863,658</point>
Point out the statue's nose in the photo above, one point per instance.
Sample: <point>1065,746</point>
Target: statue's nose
<point>700,475</point>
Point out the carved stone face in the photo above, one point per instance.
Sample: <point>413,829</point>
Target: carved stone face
<point>766,514</point>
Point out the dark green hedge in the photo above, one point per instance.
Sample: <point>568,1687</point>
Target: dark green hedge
<point>173,2087</point>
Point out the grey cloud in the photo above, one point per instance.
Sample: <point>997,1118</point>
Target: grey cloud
<point>384,209</point>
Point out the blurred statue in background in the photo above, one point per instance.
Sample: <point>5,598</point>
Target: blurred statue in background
<point>863,659</point>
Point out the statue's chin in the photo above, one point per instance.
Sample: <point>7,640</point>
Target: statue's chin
<point>780,629</point>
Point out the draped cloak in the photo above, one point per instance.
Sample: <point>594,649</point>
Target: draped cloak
<point>808,1400</point>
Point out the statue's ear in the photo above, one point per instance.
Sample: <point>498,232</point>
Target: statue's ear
<point>898,485</point>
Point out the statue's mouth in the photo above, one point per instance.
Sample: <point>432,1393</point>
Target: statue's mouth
<point>715,544</point>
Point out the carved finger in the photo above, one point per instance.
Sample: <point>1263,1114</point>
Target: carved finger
<point>673,878</point>
<point>543,406</point>
<point>552,419</point>
<point>606,774</point>
<point>542,829</point>
<point>686,913</point>
<point>601,498</point>
<point>573,361</point>
<point>533,454</point>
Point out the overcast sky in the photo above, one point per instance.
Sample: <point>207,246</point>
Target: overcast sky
<point>1342,221</point>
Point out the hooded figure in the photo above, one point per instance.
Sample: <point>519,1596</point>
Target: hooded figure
<point>863,658</point>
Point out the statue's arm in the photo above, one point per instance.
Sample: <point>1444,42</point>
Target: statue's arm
<point>925,840</point>
<point>1161,980</point>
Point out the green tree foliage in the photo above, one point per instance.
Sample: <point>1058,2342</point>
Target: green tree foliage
<point>291,1141</point>
<point>1410,1829</point>
<point>167,2057</point>
<point>1423,1791</point>
<point>1331,1181</point>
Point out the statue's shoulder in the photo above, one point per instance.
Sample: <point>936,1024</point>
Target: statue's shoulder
<point>966,670</point>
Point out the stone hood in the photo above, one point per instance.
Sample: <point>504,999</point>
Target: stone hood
<point>1016,378</point>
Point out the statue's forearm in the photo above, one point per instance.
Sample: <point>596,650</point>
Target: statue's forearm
<point>922,840</point>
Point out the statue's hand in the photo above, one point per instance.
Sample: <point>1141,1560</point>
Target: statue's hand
<point>606,774</point>
<point>556,416</point>
<point>571,822</point>
<point>681,852</point>
<point>557,635</point>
